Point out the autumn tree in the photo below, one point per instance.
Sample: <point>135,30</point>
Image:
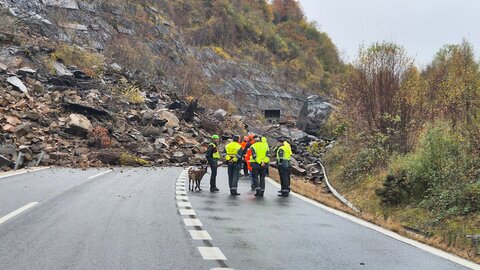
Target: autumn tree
<point>374,94</point>
<point>285,10</point>
<point>454,87</point>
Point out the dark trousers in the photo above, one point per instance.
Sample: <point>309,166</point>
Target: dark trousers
<point>284,173</point>
<point>233,175</point>
<point>258,174</point>
<point>213,176</point>
<point>245,168</point>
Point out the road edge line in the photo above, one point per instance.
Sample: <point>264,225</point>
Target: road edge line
<point>23,171</point>
<point>394,235</point>
<point>17,212</point>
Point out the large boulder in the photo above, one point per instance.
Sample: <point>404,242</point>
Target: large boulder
<point>79,125</point>
<point>314,114</point>
<point>173,121</point>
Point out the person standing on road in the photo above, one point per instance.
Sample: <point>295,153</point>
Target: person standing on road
<point>245,145</point>
<point>213,156</point>
<point>234,153</point>
<point>284,153</point>
<point>259,163</point>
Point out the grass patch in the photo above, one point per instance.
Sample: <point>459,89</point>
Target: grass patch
<point>128,90</point>
<point>127,159</point>
<point>93,64</point>
<point>221,52</point>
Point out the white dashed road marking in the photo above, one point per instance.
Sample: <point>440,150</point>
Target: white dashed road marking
<point>200,235</point>
<point>187,212</point>
<point>184,204</point>
<point>181,197</point>
<point>100,174</point>
<point>191,222</point>
<point>185,208</point>
<point>17,212</point>
<point>212,253</point>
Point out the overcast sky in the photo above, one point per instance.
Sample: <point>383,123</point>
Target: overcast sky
<point>421,26</point>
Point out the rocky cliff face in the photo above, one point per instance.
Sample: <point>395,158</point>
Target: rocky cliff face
<point>89,82</point>
<point>96,25</point>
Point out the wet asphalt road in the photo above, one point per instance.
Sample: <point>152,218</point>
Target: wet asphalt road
<point>129,219</point>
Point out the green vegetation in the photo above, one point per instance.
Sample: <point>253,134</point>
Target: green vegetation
<point>128,90</point>
<point>127,159</point>
<point>275,34</point>
<point>409,147</point>
<point>93,64</point>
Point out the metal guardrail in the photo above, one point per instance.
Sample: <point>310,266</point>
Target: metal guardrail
<point>20,160</point>
<point>335,192</point>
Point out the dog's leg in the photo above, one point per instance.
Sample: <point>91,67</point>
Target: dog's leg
<point>190,183</point>
<point>198,185</point>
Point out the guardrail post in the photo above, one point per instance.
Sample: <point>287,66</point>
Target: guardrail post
<point>19,159</point>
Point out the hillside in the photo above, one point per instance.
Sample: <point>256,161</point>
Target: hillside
<point>135,70</point>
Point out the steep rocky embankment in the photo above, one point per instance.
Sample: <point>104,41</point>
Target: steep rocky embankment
<point>89,82</point>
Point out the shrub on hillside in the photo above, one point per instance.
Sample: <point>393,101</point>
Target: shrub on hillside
<point>438,173</point>
<point>395,190</point>
<point>93,64</point>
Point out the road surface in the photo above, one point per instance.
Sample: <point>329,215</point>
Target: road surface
<point>142,218</point>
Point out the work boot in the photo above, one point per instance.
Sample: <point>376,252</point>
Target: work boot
<point>214,189</point>
<point>235,194</point>
<point>258,193</point>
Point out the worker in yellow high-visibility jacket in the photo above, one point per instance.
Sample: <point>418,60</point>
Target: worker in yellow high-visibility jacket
<point>284,153</point>
<point>259,162</point>
<point>234,153</point>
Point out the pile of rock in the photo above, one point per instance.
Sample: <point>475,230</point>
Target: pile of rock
<point>75,125</point>
<point>308,151</point>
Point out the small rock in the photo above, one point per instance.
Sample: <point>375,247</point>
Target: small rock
<point>27,71</point>
<point>116,67</point>
<point>220,113</point>
<point>3,68</point>
<point>68,4</point>
<point>12,120</point>
<point>160,143</point>
<point>18,84</point>
<point>81,151</point>
<point>298,171</point>
<point>61,70</point>
<point>38,87</point>
<point>5,162</point>
<point>74,26</point>
<point>22,130</point>
<point>8,128</point>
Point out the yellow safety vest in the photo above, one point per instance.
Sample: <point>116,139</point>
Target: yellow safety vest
<point>215,155</point>
<point>287,153</point>
<point>234,151</point>
<point>260,152</point>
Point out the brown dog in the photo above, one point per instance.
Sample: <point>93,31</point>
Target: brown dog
<point>195,176</point>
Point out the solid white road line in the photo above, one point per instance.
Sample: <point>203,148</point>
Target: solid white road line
<point>200,235</point>
<point>191,222</point>
<point>181,192</point>
<point>386,232</point>
<point>187,212</point>
<point>212,253</point>
<point>17,212</point>
<point>22,171</point>
<point>100,174</point>
<point>184,204</point>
